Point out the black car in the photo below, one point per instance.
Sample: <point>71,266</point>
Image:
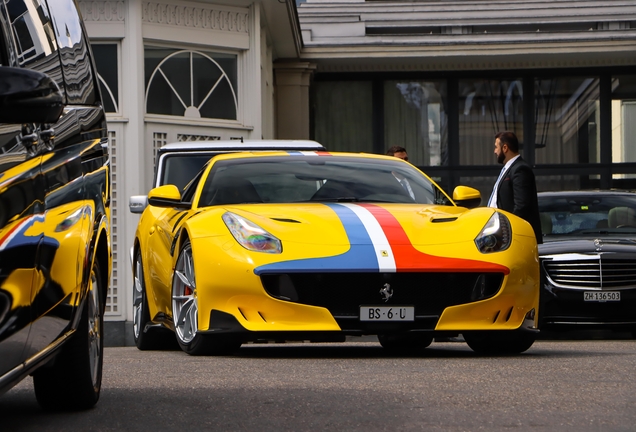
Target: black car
<point>588,260</point>
<point>55,254</point>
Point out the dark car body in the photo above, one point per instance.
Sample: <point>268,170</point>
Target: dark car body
<point>588,260</point>
<point>55,257</point>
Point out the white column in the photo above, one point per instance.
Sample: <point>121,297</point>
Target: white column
<point>292,99</point>
<point>135,180</point>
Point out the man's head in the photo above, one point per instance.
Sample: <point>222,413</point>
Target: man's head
<point>398,152</point>
<point>506,146</point>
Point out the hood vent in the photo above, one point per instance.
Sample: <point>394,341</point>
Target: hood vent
<point>285,220</point>
<point>446,219</point>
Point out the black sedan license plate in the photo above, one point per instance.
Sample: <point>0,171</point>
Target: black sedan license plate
<point>601,296</point>
<point>387,313</point>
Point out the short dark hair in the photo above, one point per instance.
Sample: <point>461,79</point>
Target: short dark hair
<point>510,139</point>
<point>395,149</point>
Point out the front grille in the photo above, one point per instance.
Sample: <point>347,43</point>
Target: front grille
<point>343,293</point>
<point>596,272</point>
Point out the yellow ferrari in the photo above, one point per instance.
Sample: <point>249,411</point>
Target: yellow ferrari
<point>318,246</point>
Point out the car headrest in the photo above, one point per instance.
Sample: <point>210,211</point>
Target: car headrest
<point>621,216</point>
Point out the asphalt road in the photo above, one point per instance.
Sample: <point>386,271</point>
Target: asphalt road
<point>555,386</point>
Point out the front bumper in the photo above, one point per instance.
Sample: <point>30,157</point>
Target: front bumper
<point>444,303</point>
<point>566,309</point>
<point>328,301</point>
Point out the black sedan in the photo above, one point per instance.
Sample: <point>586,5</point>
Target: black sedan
<point>588,260</point>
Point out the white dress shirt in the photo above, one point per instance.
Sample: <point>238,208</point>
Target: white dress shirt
<point>492,202</point>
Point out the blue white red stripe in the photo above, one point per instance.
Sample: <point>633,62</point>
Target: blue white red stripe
<point>308,153</point>
<point>378,243</point>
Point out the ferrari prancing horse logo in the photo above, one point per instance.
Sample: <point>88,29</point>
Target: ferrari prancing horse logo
<point>387,292</point>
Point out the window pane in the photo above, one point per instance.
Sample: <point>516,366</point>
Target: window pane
<point>567,111</point>
<point>624,118</point>
<point>107,70</point>
<point>485,108</point>
<point>343,115</point>
<point>192,84</point>
<point>415,118</point>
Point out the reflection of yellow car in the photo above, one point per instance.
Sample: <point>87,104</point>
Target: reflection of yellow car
<point>317,246</point>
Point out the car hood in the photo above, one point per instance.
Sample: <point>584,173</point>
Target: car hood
<point>352,223</point>
<point>586,245</point>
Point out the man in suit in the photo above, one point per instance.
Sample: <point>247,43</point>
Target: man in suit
<point>515,190</point>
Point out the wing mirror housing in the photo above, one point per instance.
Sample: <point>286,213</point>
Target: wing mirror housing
<point>166,196</point>
<point>28,96</point>
<point>468,197</point>
<point>137,203</point>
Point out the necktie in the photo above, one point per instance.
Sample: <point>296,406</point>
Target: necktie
<point>495,187</point>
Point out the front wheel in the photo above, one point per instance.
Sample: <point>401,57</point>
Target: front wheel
<point>504,342</point>
<point>74,380</point>
<point>185,311</point>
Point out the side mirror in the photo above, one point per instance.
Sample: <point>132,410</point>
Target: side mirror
<point>28,96</point>
<point>166,196</point>
<point>465,196</point>
<point>137,203</point>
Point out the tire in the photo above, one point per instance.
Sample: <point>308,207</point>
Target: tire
<point>404,343</point>
<point>505,342</point>
<point>185,312</point>
<point>146,338</point>
<point>74,380</point>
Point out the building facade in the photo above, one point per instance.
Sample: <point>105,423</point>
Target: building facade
<point>442,77</point>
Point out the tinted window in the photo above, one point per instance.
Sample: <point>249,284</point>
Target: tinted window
<point>30,37</point>
<point>74,53</point>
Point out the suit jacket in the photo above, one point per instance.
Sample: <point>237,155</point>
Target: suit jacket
<point>517,194</point>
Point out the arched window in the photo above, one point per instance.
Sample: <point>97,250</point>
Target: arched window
<point>192,84</point>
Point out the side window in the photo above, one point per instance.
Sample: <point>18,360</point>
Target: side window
<point>30,37</point>
<point>74,53</point>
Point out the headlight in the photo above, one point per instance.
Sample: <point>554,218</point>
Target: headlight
<point>251,236</point>
<point>496,235</point>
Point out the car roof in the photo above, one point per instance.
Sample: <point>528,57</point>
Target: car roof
<point>240,145</point>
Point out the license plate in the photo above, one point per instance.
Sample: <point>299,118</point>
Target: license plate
<point>601,296</point>
<point>387,313</point>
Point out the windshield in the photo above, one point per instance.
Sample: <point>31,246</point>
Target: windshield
<point>588,214</point>
<point>292,179</point>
